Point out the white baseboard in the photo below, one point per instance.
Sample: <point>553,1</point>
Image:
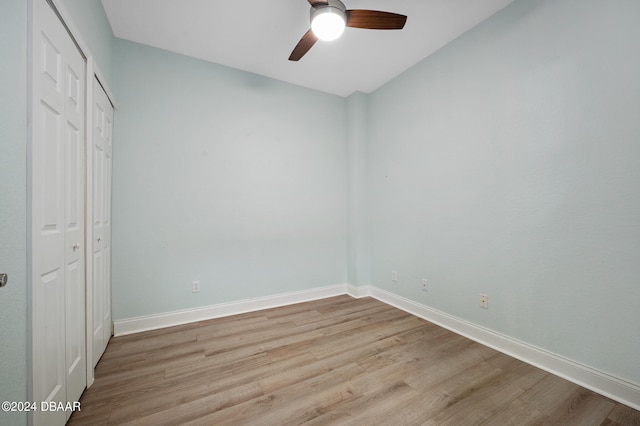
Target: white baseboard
<point>170,319</point>
<point>612,387</point>
<point>358,292</point>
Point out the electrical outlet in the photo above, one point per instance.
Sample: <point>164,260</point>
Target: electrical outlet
<point>484,301</point>
<point>394,276</point>
<point>195,287</point>
<point>425,285</point>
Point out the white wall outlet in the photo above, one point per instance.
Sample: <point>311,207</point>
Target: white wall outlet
<point>425,285</point>
<point>195,287</point>
<point>484,301</point>
<point>394,276</point>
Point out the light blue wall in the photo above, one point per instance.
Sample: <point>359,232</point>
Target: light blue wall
<point>359,244</point>
<point>13,204</point>
<point>222,176</point>
<point>508,164</point>
<point>91,20</point>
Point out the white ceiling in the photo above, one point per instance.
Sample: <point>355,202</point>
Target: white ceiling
<point>258,36</point>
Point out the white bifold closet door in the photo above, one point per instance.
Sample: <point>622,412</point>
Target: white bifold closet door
<point>57,214</point>
<point>101,239</point>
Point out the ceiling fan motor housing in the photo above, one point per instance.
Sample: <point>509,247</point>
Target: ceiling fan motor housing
<point>328,20</point>
<point>332,6</point>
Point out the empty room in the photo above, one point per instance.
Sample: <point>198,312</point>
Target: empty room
<point>225,213</point>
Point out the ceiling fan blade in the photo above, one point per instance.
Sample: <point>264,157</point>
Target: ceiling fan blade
<point>375,20</point>
<point>306,42</point>
<point>315,3</point>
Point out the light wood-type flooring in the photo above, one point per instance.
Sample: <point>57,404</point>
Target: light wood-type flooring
<point>339,361</point>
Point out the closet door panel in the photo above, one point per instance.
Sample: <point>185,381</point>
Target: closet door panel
<point>57,216</point>
<point>48,212</point>
<point>75,223</point>
<point>102,149</point>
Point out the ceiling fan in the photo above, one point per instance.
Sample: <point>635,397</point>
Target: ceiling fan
<point>329,17</point>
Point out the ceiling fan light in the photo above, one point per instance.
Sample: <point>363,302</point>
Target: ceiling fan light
<point>328,23</point>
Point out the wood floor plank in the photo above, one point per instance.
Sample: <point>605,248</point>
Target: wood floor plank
<point>418,410</point>
<point>549,394</point>
<point>583,407</point>
<point>283,404</point>
<point>385,398</point>
<point>336,361</point>
<point>623,415</point>
<point>165,410</point>
<point>477,394</point>
<point>323,365</point>
<point>517,412</point>
<point>436,369</point>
